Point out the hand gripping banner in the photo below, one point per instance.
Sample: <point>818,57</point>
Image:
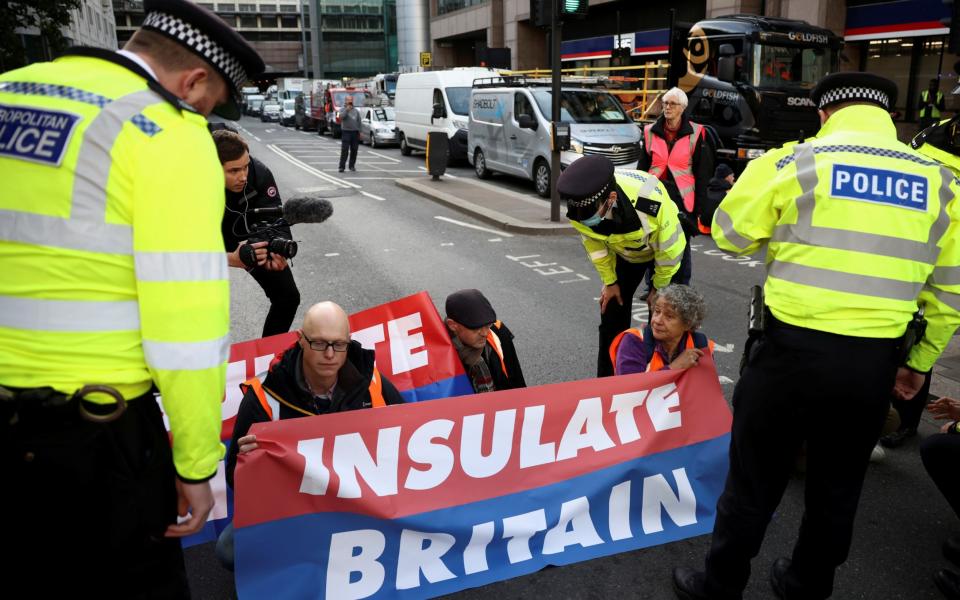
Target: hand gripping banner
<point>413,351</point>
<point>424,499</point>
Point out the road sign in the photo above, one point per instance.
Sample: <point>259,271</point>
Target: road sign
<point>426,59</point>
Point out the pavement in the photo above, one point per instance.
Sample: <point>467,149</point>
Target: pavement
<point>524,213</point>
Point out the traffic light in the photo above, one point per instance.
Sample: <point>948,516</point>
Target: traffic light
<point>573,9</point>
<point>541,13</point>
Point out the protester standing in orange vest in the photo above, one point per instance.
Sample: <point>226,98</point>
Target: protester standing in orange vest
<point>676,152</point>
<point>670,340</point>
<point>324,372</point>
<point>484,344</point>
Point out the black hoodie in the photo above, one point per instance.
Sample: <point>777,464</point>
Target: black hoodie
<point>716,191</point>
<point>285,381</point>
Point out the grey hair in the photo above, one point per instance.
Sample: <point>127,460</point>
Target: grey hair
<point>688,303</point>
<point>677,94</point>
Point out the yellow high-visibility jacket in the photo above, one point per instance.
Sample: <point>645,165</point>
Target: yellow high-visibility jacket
<point>860,229</point>
<point>114,266</point>
<point>658,237</point>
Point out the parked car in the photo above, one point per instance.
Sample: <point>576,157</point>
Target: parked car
<point>435,101</point>
<point>510,128</point>
<point>270,112</point>
<point>287,113</point>
<point>378,126</point>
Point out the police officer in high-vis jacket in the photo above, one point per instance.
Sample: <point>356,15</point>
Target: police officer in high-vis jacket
<point>628,225</point>
<point>860,230</point>
<point>115,285</point>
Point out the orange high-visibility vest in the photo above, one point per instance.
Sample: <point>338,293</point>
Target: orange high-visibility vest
<point>494,341</point>
<point>271,401</point>
<point>678,160</point>
<point>656,361</point>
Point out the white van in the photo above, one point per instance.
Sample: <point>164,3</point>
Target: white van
<point>509,128</point>
<point>435,101</point>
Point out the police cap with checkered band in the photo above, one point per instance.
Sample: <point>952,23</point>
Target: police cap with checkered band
<point>207,36</point>
<point>854,86</point>
<point>584,184</point>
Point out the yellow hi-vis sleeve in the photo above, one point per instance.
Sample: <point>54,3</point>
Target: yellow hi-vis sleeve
<point>668,242</point>
<point>748,214</point>
<point>940,296</point>
<point>604,261</point>
<point>183,287</point>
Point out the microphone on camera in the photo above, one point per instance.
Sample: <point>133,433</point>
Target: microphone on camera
<point>304,209</point>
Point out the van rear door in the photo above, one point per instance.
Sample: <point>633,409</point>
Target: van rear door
<point>522,142</point>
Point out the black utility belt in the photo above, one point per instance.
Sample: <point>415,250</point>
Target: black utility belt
<point>46,400</point>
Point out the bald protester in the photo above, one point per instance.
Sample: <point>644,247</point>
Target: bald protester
<point>324,372</point>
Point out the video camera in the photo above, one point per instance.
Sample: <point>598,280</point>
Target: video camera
<point>295,210</point>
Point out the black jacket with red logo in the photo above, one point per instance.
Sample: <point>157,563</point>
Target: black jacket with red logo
<point>261,192</point>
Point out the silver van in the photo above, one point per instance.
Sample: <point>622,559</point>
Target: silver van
<point>509,128</point>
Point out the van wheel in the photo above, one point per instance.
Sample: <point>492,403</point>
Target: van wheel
<point>405,149</point>
<point>480,164</point>
<point>541,177</point>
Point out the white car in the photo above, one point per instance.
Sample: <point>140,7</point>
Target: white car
<point>288,113</point>
<point>378,126</point>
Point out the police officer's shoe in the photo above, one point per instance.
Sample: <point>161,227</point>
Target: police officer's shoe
<point>690,584</point>
<point>951,549</point>
<point>948,583</point>
<point>898,437</point>
<point>778,576</point>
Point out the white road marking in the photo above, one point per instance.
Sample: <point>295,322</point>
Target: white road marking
<point>724,379</point>
<point>316,172</point>
<point>444,175</point>
<point>383,156</point>
<point>446,243</point>
<point>369,195</point>
<point>495,240</point>
<point>332,254</point>
<point>471,226</point>
<point>723,347</point>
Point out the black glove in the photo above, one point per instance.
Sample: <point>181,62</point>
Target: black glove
<point>689,224</point>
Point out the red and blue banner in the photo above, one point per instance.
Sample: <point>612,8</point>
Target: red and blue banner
<point>413,351</point>
<point>424,499</point>
<point>642,43</point>
<point>896,18</point>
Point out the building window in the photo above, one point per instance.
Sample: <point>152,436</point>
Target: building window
<point>289,23</point>
<point>288,8</point>
<point>445,6</point>
<point>226,7</point>
<point>248,8</point>
<point>248,22</point>
<point>228,19</point>
<point>268,8</point>
<point>206,5</point>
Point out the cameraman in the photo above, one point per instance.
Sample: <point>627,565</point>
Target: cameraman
<point>249,185</point>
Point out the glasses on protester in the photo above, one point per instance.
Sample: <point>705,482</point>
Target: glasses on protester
<point>322,345</point>
<point>671,103</point>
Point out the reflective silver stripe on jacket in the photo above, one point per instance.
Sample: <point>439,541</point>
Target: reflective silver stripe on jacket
<point>804,232</point>
<point>186,356</point>
<point>840,281</point>
<point>85,228</point>
<point>68,315</point>
<point>723,220</point>
<point>180,266</point>
<point>945,276</point>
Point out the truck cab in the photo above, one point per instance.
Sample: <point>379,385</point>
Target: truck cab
<point>749,78</point>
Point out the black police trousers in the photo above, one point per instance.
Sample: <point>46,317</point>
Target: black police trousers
<point>87,505</point>
<point>800,385</point>
<point>941,455</point>
<point>284,297</point>
<point>618,317</point>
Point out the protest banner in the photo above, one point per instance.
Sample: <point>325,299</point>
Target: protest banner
<point>413,351</point>
<point>424,499</point>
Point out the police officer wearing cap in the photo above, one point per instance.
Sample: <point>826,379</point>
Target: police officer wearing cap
<point>115,286</point>
<point>628,226</point>
<point>856,226</point>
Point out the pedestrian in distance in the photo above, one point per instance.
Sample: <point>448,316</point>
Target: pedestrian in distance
<point>115,288</point>
<point>931,105</point>
<point>670,340</point>
<point>856,226</point>
<point>483,343</point>
<point>721,182</point>
<point>250,185</point>
<point>349,134</point>
<point>628,226</point>
<point>677,152</point>
<point>325,372</point>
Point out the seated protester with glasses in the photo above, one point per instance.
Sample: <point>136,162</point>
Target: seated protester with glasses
<point>250,185</point>
<point>670,340</point>
<point>324,372</point>
<point>484,344</point>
